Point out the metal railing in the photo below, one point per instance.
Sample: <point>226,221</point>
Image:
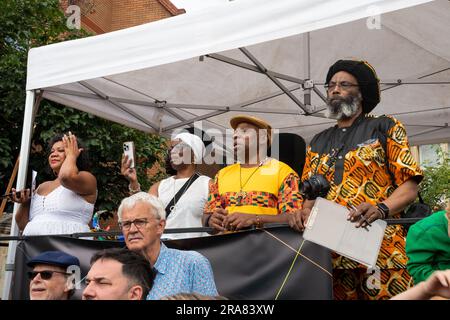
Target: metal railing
<point>403,221</point>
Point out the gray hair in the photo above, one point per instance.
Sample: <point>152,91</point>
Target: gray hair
<point>158,209</point>
<point>346,108</point>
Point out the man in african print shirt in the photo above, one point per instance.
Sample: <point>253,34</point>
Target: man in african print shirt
<point>255,190</point>
<point>369,165</point>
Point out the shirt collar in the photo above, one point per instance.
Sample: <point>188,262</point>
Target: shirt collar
<point>161,262</point>
<point>358,119</point>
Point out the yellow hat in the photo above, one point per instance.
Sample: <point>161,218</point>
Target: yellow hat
<point>259,123</point>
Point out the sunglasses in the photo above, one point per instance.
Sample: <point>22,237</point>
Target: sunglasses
<point>45,275</point>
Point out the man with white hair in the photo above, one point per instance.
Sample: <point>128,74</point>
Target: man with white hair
<point>142,220</point>
<point>183,194</point>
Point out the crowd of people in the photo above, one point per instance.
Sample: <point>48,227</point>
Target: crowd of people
<point>364,163</point>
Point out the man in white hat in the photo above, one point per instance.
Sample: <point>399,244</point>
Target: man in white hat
<point>183,194</point>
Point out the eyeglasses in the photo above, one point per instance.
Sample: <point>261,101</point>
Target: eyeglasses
<point>45,274</point>
<point>139,223</point>
<point>344,85</point>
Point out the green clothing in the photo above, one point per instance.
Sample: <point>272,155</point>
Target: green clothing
<point>428,246</point>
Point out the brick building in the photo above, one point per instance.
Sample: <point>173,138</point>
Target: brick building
<point>101,16</point>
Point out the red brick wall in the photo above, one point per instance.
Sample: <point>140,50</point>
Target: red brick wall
<point>101,16</point>
<point>128,13</point>
<point>111,15</point>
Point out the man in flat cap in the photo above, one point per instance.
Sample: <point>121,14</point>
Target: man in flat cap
<point>51,278</point>
<point>255,190</point>
<point>367,162</point>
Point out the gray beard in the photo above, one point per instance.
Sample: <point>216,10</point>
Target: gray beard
<point>343,108</point>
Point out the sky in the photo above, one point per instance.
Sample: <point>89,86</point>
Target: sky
<point>193,5</point>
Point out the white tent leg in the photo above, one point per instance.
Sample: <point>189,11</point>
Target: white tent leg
<point>307,68</point>
<point>21,180</point>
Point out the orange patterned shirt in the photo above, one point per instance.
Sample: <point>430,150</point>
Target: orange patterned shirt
<point>374,160</point>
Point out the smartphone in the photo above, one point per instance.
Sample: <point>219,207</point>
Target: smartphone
<point>10,195</point>
<point>128,150</point>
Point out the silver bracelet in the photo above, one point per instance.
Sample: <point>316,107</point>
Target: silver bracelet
<point>134,190</point>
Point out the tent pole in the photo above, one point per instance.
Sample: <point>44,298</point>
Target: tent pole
<point>253,68</point>
<point>119,105</point>
<point>307,68</point>
<point>419,77</point>
<point>274,80</point>
<point>25,145</point>
<point>428,131</point>
<point>236,107</point>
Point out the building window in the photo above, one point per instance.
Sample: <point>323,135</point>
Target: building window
<point>428,153</point>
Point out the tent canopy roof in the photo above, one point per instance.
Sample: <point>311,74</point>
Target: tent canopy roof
<point>254,56</point>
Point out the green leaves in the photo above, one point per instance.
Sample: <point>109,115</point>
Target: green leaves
<point>435,187</point>
<point>103,140</point>
<point>31,23</point>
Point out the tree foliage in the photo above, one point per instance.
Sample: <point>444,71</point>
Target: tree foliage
<point>31,23</point>
<point>435,187</point>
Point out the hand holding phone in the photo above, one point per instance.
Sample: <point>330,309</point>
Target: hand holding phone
<point>21,196</point>
<point>129,152</point>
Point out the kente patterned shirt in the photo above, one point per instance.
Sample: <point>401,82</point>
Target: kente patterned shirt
<point>270,189</point>
<point>179,271</point>
<point>374,160</point>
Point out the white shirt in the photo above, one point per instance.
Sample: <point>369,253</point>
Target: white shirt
<point>62,211</point>
<point>188,210</point>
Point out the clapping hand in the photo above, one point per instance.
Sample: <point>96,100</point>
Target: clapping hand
<point>71,146</point>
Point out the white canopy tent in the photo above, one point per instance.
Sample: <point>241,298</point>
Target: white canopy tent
<point>264,57</point>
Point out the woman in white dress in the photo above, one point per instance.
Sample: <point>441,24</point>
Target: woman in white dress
<point>186,212</point>
<point>66,204</point>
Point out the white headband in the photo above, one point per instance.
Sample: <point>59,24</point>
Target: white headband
<point>195,143</point>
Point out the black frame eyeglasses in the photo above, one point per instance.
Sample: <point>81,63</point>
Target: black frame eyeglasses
<point>138,223</point>
<point>45,274</point>
<point>345,85</point>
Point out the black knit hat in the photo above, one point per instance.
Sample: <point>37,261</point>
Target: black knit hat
<point>368,82</point>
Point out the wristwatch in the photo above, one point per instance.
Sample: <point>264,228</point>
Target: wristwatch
<point>383,209</point>
<point>207,220</point>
